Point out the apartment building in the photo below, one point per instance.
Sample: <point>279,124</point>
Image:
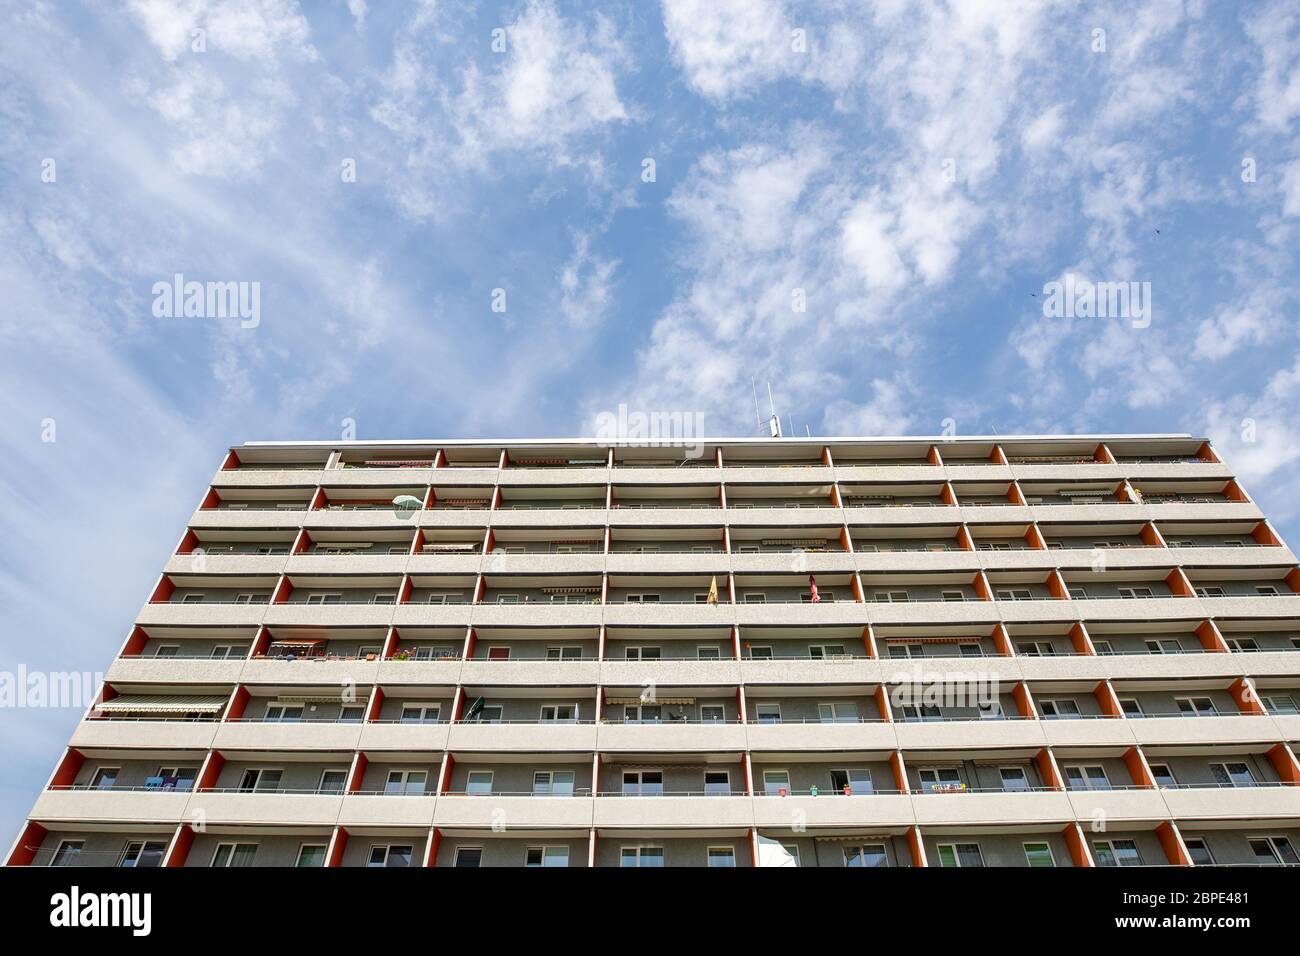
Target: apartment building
<point>1024,651</point>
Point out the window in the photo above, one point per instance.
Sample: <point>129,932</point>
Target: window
<point>67,852</point>
<point>489,714</point>
<point>708,653</point>
<point>1116,853</point>
<point>176,778</point>
<point>921,712</point>
<point>351,713</point>
<point>642,599</point>
<point>559,714</point>
<point>478,783</point>
<point>717,783</point>
<point>223,652</point>
<point>166,650</point>
<point>369,652</point>
<point>553,783</point>
<point>334,598</point>
<point>763,653</point>
<point>469,857</point>
<point>234,854</point>
<point>420,713</point>
<point>1102,647</point>
<point>823,651</point>
<point>1199,851</point>
<point>332,781</point>
<point>643,783</point>
<point>564,653</point>
<point>406,782</point>
<point>143,853</point>
<point>838,712</point>
<point>868,854</point>
<point>1206,592</point>
<point>284,713</point>
<point>712,714</point>
<point>1087,777</point>
<point>1078,594</point>
<point>960,854</point>
<point>970,650</point>
<point>636,856</point>
<point>498,654</point>
<point>104,778</point>
<point>1243,644</point>
<point>891,597</point>
<point>382,855</point>
<point>546,856</point>
<point>311,854</point>
<point>1055,708</point>
<point>755,597</point>
<point>906,650</point>
<point>642,653</point>
<point>1232,774</point>
<point>1039,854</point>
<point>1279,704</point>
<point>1015,594</point>
<point>507,599</point>
<point>775,781</point>
<point>1265,590</point>
<point>722,856</point>
<point>825,597</point>
<point>1013,778</point>
<point>1132,593</point>
<point>767,713</point>
<point>1195,706</point>
<point>1164,647</point>
<point>1163,775</point>
<point>260,780</point>
<point>1130,707</point>
<point>1273,851</point>
<point>642,713</point>
<point>849,782</point>
<point>384,597</point>
<point>940,779</point>
<point>196,598</point>
<point>1034,648</point>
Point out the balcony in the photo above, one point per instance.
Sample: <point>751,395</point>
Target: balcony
<point>91,805</point>
<point>1173,728</point>
<point>313,735</point>
<point>396,735</point>
<point>118,733</point>
<point>814,735</point>
<point>1119,804</point>
<point>678,811</point>
<point>265,809</point>
<point>989,733</point>
<point>387,810</point>
<point>506,736</point>
<point>868,811</point>
<point>1260,802</point>
<point>670,737</point>
<point>979,807</point>
<point>514,811</point>
<point>176,669</point>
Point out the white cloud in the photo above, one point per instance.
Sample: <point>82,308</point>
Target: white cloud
<point>244,29</point>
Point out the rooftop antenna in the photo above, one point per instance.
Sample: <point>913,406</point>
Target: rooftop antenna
<point>773,423</point>
<point>758,416</point>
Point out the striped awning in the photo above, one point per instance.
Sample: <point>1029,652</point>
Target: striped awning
<point>453,546</point>
<point>318,699</point>
<point>798,542</point>
<point>163,705</point>
<point>539,461</point>
<point>584,590</point>
<point>398,463</point>
<point>933,640</point>
<point>1089,493</point>
<point>650,703</point>
<point>597,540</point>
<point>299,642</point>
<point>463,501</point>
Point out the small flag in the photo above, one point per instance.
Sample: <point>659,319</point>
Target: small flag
<point>713,591</point>
<point>812,584</point>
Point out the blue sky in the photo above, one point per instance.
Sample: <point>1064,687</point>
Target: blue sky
<point>919,170</point>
